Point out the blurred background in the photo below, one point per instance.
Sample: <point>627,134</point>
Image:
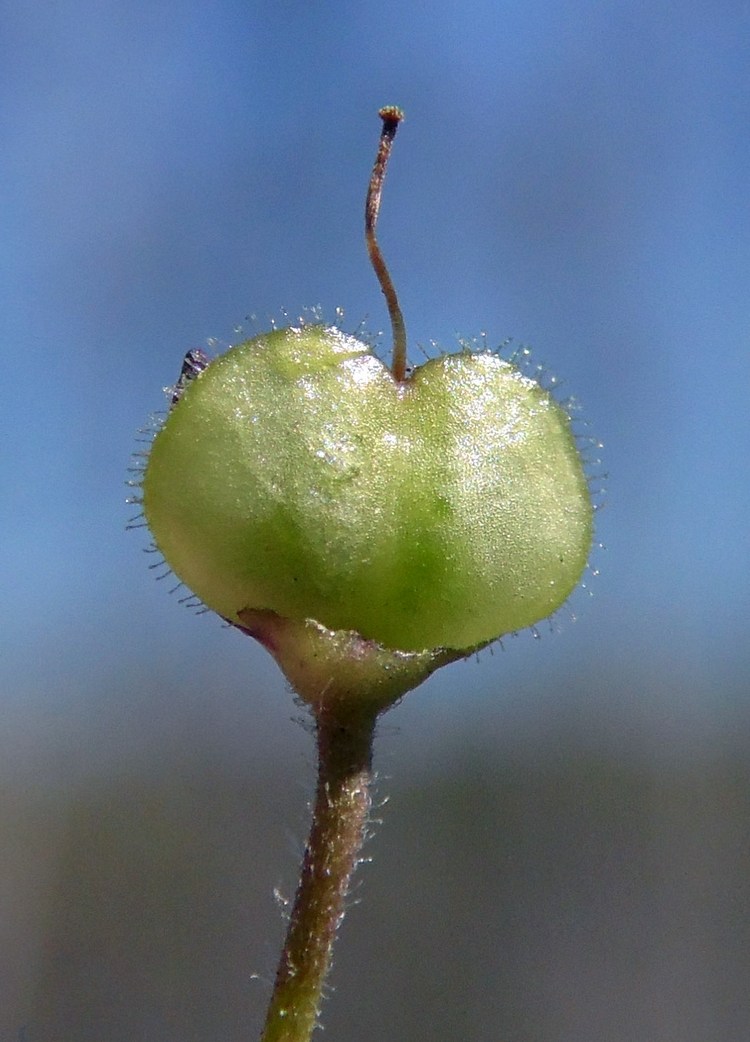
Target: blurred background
<point>565,850</point>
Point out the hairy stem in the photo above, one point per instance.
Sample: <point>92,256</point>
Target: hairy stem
<point>391,117</point>
<point>342,804</point>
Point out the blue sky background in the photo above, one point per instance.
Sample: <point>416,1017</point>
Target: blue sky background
<point>573,175</point>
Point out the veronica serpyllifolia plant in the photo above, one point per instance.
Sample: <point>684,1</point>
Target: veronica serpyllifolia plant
<point>367,524</point>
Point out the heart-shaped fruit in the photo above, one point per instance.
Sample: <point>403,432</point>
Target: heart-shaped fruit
<point>297,478</point>
<point>297,474</point>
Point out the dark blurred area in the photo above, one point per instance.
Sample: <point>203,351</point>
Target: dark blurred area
<point>565,850</point>
<point>564,878</point>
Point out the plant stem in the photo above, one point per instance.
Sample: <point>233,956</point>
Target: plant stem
<point>342,803</point>
<point>391,117</point>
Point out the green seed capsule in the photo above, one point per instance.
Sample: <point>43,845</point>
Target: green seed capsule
<point>297,475</point>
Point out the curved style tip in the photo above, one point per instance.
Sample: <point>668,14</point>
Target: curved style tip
<point>391,114</point>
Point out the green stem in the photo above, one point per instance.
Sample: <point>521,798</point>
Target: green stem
<point>347,682</point>
<point>342,805</point>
